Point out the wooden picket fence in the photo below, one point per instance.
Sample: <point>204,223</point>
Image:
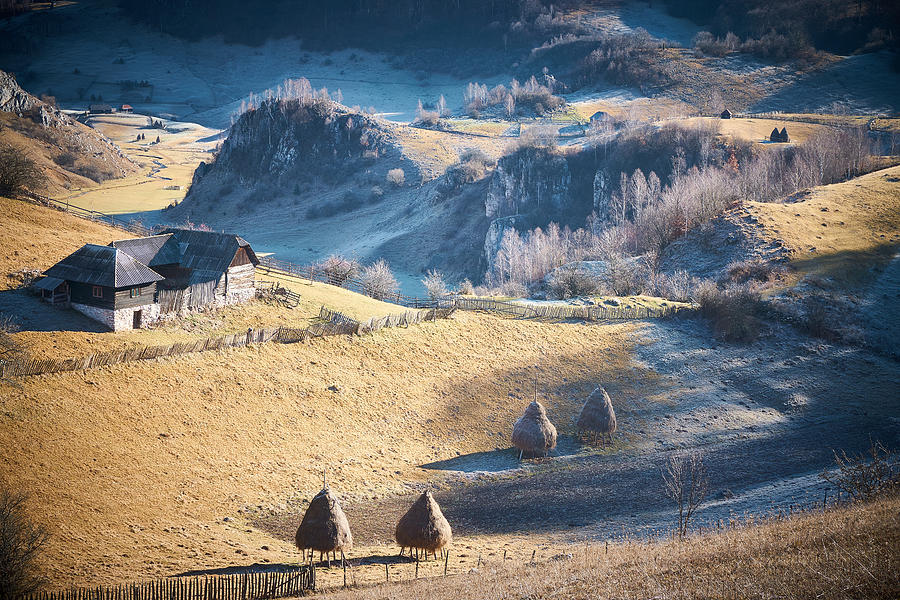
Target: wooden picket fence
<point>331,323</point>
<point>562,311</point>
<point>234,586</point>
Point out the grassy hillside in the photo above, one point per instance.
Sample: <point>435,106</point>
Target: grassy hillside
<point>842,553</point>
<point>134,468</point>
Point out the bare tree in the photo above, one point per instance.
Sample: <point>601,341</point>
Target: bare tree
<point>864,476</point>
<point>378,281</point>
<point>686,485</point>
<point>21,542</point>
<point>19,173</point>
<point>339,269</point>
<point>434,284</point>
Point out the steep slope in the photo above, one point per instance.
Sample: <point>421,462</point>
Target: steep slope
<point>68,152</point>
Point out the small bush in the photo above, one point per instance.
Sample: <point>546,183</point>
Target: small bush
<point>570,281</point>
<point>816,320</point>
<point>339,269</point>
<point>65,159</point>
<point>473,165</point>
<point>376,194</point>
<point>396,177</point>
<point>732,310</point>
<point>434,284</point>
<point>378,281</point>
<point>754,269</point>
<point>864,477</point>
<point>93,172</point>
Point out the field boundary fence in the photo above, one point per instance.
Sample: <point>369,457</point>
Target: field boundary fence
<point>232,586</point>
<point>330,323</point>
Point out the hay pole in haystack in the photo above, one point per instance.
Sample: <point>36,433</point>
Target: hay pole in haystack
<point>423,527</point>
<point>533,432</point>
<point>324,526</point>
<point>597,416</point>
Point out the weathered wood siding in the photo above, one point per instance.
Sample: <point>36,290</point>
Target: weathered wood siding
<point>240,278</point>
<point>147,295</point>
<point>82,293</point>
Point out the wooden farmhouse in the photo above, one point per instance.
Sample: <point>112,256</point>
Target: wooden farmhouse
<point>132,283</point>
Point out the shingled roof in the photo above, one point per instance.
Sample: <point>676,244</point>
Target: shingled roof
<point>153,250</point>
<point>208,253</point>
<point>103,265</point>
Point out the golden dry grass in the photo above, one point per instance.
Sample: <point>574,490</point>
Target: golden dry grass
<point>134,467</point>
<point>36,237</point>
<point>848,552</point>
<point>435,151</point>
<point>169,164</point>
<point>838,230</point>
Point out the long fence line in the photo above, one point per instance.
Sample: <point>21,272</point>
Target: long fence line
<point>232,586</point>
<point>331,324</point>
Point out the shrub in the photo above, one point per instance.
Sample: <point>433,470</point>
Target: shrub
<point>473,165</point>
<point>571,281</point>
<point>378,280</point>
<point>815,319</point>
<point>396,177</point>
<point>65,159</point>
<point>754,269</point>
<point>864,477</point>
<point>18,173</point>
<point>21,542</point>
<point>93,172</point>
<point>466,288</point>
<point>376,194</point>
<point>732,310</point>
<point>434,284</point>
<point>339,269</point>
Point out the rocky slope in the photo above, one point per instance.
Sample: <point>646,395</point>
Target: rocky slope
<point>70,153</point>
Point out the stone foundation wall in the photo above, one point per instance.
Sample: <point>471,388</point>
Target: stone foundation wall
<point>121,319</point>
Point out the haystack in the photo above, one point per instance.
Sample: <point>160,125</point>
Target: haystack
<point>324,526</point>
<point>597,416</point>
<point>775,136</point>
<point>784,135</point>
<point>533,432</point>
<point>423,526</point>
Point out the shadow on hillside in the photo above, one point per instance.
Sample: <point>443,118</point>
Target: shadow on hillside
<point>501,460</point>
<point>30,313</point>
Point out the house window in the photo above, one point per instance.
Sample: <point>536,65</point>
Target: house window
<point>97,291</point>
<point>135,292</point>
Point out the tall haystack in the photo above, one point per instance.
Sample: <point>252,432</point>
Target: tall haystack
<point>597,416</point>
<point>783,136</point>
<point>423,526</point>
<point>324,526</point>
<point>533,432</point>
<point>775,136</point>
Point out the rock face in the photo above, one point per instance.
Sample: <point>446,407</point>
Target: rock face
<point>287,141</point>
<point>13,98</point>
<point>94,153</point>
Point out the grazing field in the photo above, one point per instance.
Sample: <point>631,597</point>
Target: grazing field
<point>838,231</point>
<point>844,552</point>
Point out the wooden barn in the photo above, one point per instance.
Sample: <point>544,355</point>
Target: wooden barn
<point>134,282</point>
<point>726,114</point>
<point>100,109</point>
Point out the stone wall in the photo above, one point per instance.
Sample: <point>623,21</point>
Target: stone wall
<point>121,319</point>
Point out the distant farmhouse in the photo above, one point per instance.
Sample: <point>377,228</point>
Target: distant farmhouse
<point>100,109</point>
<point>133,283</point>
<point>726,114</point>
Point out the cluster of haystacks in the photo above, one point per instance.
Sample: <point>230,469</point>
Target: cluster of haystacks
<point>423,527</point>
<point>533,433</point>
<point>779,136</point>
<point>324,527</point>
<point>597,418</point>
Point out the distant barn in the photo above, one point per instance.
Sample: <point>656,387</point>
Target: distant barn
<point>726,114</point>
<point>126,108</point>
<point>100,109</point>
<point>134,282</point>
